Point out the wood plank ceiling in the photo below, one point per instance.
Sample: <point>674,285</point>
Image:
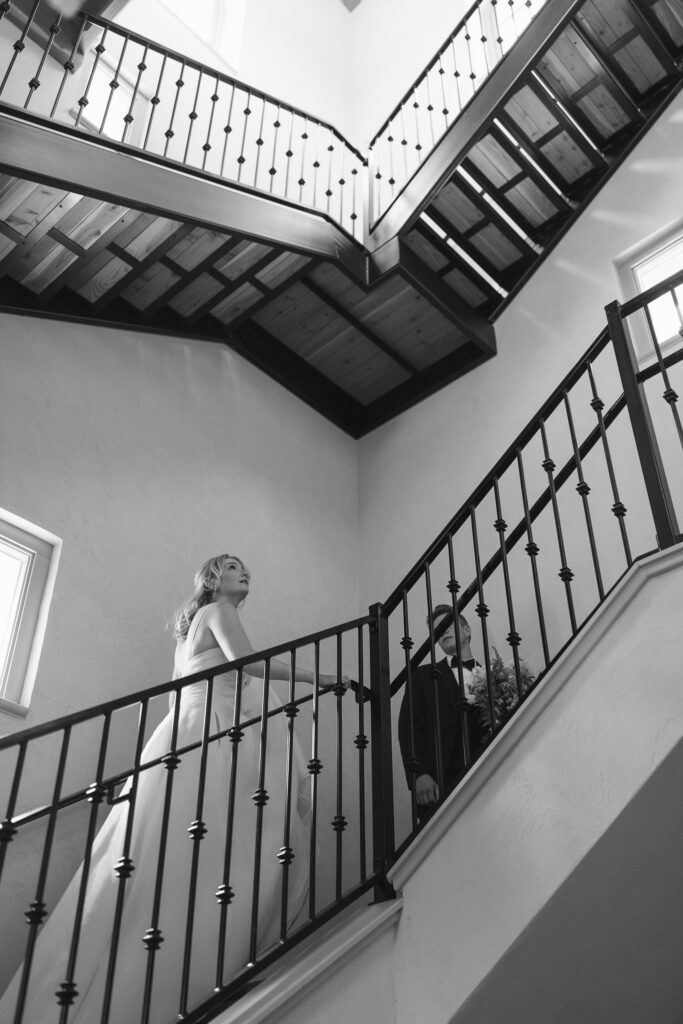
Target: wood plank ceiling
<point>360,352</point>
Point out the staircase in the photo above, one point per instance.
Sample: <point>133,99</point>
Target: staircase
<point>145,191</point>
<point>555,497</point>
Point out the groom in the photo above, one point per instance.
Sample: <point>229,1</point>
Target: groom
<point>438,700</point>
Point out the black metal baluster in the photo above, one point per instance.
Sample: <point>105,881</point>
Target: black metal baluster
<point>361,742</point>
<point>342,182</point>
<point>206,147</point>
<point>444,110</point>
<point>155,101</point>
<point>328,191</point>
<point>453,587</point>
<point>354,216</point>
<point>286,854</point>
<point>153,937</point>
<point>290,153</point>
<point>273,169</point>
<point>316,166</point>
<point>225,893</point>
<point>193,116</point>
<point>20,44</point>
<point>196,830</point>
<point>339,822</point>
<point>124,866</point>
<point>8,829</point>
<point>314,767</point>
<point>227,131</point>
<point>37,912</point>
<point>418,145</point>
<point>241,159</point>
<point>407,644</point>
<point>260,798</point>
<point>96,794</point>
<point>130,116</point>
<point>654,476</point>
<point>35,81</point>
<point>383,838</point>
<point>430,107</point>
<point>513,637</point>
<point>392,176</point>
<point>83,101</point>
<point>113,86</point>
<point>468,39</point>
<point>584,490</point>
<point>259,141</point>
<point>618,507</point>
<point>532,549</point>
<point>482,611</point>
<point>404,144</point>
<point>68,65</point>
<point>669,395</point>
<point>169,133</point>
<point>435,684</point>
<point>565,573</point>
<point>456,73</point>
<point>483,39</point>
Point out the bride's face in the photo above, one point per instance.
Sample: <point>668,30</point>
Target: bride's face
<point>234,581</point>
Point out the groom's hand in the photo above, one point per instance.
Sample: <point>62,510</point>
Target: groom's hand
<point>426,790</point>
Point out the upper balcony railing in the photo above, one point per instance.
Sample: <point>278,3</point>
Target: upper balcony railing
<point>440,93</point>
<point>129,91</point>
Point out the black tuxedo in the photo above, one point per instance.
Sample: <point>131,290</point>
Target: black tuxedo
<point>453,711</point>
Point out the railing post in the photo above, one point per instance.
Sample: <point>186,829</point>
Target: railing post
<point>658,492</point>
<point>381,746</point>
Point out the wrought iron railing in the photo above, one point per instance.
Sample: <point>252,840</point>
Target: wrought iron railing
<point>103,757</point>
<point>589,486</point>
<point>440,93</point>
<point>128,90</point>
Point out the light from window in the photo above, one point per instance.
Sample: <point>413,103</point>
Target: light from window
<point>665,312</point>
<point>28,564</point>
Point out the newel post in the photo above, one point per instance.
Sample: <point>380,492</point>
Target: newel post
<point>383,842</point>
<point>658,492</point>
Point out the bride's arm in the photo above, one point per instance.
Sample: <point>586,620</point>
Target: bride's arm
<point>224,622</point>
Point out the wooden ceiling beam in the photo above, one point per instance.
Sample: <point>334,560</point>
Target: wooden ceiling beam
<point>359,326</point>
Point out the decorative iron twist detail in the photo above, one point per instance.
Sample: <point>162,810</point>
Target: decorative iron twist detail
<point>260,797</point>
<point>565,574</point>
<point>361,741</point>
<point>453,586</point>
<point>170,762</point>
<point>619,509</point>
<point>670,396</point>
<point>124,867</point>
<point>583,489</point>
<point>290,710</point>
<point>482,610</point>
<point>407,643</point>
<point>285,855</point>
<point>532,549</point>
<point>197,830</point>
<point>339,823</point>
<point>152,938</point>
<point>225,894</point>
<point>500,526</point>
<point>36,913</point>
<point>597,404</point>
<point>66,993</point>
<point>235,733</point>
<point>548,465</point>
<point>315,766</point>
<point>513,638</point>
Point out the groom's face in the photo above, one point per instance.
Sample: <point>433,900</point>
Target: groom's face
<point>447,640</point>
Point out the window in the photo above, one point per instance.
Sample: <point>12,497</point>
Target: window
<point>219,24</point>
<point>643,269</point>
<point>28,565</point>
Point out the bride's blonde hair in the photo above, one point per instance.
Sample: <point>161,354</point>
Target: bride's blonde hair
<point>206,585</point>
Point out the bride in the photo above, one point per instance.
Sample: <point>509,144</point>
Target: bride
<point>157,894</point>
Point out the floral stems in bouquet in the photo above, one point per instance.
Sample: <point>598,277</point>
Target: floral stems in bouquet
<point>506,693</point>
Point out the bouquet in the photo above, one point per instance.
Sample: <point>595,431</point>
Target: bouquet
<point>504,686</point>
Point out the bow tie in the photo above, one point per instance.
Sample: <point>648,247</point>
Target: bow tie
<point>468,664</point>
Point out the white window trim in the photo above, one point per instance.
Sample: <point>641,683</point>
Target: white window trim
<point>626,271</point>
<point>20,708</point>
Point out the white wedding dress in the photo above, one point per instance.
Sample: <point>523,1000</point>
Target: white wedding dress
<point>50,957</point>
